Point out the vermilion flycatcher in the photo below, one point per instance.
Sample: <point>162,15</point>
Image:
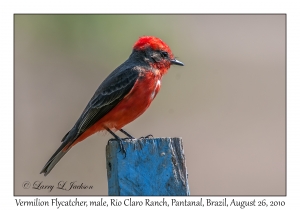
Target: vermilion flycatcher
<point>122,97</point>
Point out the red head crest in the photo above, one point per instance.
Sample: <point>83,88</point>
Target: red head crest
<point>153,42</point>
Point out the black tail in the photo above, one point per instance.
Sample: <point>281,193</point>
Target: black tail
<point>60,152</point>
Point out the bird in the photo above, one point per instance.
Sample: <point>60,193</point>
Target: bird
<point>123,96</point>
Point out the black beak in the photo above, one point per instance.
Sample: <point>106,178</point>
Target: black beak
<point>177,62</point>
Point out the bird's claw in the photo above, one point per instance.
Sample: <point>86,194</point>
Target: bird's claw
<point>146,137</point>
<point>122,149</point>
<point>127,138</point>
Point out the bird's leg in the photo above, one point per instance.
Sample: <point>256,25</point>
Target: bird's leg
<point>131,137</point>
<point>127,134</point>
<point>118,139</point>
<point>145,137</point>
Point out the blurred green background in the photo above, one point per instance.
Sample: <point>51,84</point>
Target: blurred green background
<point>227,102</point>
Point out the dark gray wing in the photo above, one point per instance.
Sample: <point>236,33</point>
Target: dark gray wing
<point>113,89</point>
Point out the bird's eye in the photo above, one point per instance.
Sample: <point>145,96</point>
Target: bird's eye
<point>164,54</point>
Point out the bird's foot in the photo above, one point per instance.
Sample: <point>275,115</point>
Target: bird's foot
<point>122,149</point>
<point>127,138</point>
<point>146,137</point>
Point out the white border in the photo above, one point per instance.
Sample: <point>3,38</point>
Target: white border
<point>8,8</point>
